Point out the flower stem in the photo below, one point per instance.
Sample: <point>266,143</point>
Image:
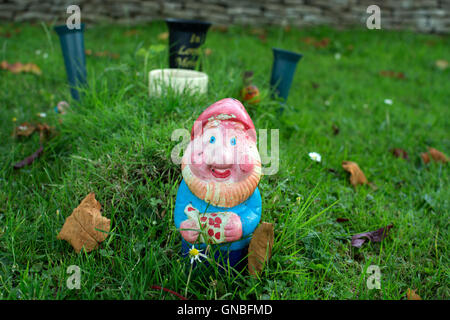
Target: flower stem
<point>188,280</point>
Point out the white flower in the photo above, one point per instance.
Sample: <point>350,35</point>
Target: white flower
<point>327,102</point>
<point>388,101</point>
<point>337,56</point>
<point>45,55</point>
<point>315,156</point>
<point>42,114</point>
<point>195,254</point>
<point>38,52</point>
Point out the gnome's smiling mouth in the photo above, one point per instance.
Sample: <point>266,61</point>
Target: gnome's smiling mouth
<point>220,173</point>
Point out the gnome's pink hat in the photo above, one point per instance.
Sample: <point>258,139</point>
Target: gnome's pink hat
<point>228,109</point>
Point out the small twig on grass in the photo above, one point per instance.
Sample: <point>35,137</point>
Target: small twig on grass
<point>170,291</point>
<point>29,160</point>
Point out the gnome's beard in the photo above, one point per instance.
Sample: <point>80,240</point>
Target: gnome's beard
<point>225,194</point>
<point>230,192</point>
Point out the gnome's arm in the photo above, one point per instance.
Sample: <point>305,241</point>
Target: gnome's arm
<point>250,219</point>
<point>250,214</point>
<point>182,221</point>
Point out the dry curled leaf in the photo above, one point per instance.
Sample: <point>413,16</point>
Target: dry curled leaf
<point>400,153</point>
<point>131,32</point>
<point>19,67</point>
<point>8,34</point>
<point>442,64</point>
<point>336,129</point>
<point>356,175</point>
<point>373,236</point>
<point>435,154</point>
<point>260,248</point>
<point>412,295</point>
<point>392,74</point>
<point>220,28</point>
<point>85,227</point>
<point>163,36</point>
<point>207,51</point>
<point>89,52</point>
<point>26,129</point>
<point>322,43</point>
<point>44,130</point>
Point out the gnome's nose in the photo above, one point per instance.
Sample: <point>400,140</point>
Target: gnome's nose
<point>221,159</point>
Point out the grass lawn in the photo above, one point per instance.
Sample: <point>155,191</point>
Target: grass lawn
<point>117,143</point>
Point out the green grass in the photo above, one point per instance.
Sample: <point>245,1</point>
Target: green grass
<point>117,144</point>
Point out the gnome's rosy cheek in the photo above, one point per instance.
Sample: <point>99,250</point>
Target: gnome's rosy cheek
<point>196,152</point>
<point>197,158</point>
<point>245,164</point>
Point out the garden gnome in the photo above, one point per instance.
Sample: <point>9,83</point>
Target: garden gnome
<point>218,201</point>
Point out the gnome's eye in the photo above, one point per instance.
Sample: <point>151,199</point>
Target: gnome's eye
<point>212,139</point>
<point>233,141</point>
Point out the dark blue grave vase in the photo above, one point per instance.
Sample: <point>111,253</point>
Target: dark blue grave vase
<point>185,39</point>
<point>283,69</point>
<point>72,46</point>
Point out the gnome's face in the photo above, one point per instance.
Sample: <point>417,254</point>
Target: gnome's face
<point>221,165</point>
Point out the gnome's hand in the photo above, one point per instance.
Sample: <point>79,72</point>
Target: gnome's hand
<point>233,229</point>
<point>189,235</point>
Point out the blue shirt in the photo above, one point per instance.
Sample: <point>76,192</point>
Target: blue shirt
<point>249,211</point>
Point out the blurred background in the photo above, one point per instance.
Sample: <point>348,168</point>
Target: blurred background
<point>431,16</point>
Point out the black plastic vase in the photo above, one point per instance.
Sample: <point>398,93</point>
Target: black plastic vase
<point>283,69</point>
<point>72,46</point>
<point>185,39</point>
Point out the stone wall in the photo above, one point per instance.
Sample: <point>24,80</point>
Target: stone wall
<point>420,15</point>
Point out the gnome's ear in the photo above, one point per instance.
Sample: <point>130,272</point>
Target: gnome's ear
<point>251,134</point>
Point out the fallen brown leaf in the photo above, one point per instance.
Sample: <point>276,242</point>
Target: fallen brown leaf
<point>356,175</point>
<point>208,51</point>
<point>412,295</point>
<point>322,43</point>
<point>83,228</point>
<point>342,220</point>
<point>44,130</point>
<point>8,34</point>
<point>392,74</point>
<point>373,236</point>
<point>130,33</point>
<point>442,64</point>
<point>220,28</point>
<point>18,67</point>
<point>163,36</point>
<point>336,129</point>
<point>258,31</point>
<point>89,52</point>
<point>400,153</point>
<point>260,248</point>
<point>26,129</point>
<point>263,38</point>
<point>436,155</point>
